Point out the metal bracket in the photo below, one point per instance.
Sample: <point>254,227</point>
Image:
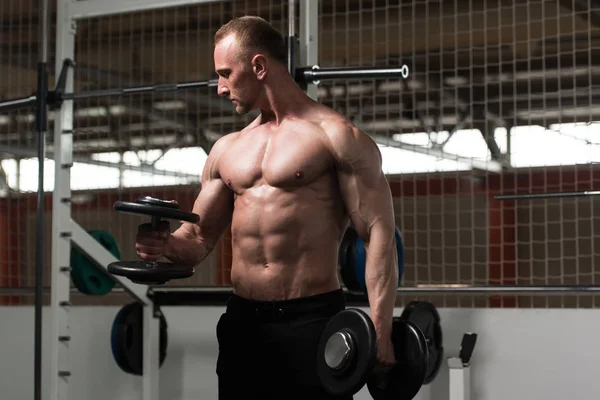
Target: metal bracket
<point>102,258</point>
<point>55,98</point>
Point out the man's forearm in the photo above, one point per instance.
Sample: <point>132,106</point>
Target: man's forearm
<point>381,276</point>
<point>185,248</point>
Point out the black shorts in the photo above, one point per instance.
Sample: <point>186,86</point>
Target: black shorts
<point>267,350</point>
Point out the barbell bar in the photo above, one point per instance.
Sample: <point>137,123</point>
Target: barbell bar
<point>431,289</point>
<point>550,195</point>
<point>313,74</point>
<point>417,289</point>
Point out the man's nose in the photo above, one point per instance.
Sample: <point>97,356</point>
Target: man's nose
<point>222,89</point>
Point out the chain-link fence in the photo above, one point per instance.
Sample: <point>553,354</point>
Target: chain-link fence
<point>500,99</point>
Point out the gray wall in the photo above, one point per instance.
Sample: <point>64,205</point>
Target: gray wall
<point>520,354</point>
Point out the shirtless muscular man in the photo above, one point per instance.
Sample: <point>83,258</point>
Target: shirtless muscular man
<point>287,184</point>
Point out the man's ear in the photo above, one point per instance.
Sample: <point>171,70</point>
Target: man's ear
<point>260,66</point>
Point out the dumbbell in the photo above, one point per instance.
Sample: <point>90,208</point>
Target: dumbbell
<point>153,273</point>
<point>347,354</point>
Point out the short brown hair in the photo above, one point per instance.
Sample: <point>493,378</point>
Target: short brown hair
<point>255,33</point>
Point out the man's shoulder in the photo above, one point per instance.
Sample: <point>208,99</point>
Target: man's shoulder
<point>345,140</point>
<point>336,127</point>
<point>218,148</point>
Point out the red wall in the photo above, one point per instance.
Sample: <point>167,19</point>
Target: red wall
<point>502,214</point>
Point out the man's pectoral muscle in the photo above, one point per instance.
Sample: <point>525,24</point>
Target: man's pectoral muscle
<point>192,243</point>
<point>368,201</point>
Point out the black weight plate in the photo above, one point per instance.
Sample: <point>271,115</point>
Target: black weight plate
<point>360,327</point>
<point>155,211</point>
<point>115,338</point>
<point>347,262</point>
<point>404,380</point>
<point>128,339</point>
<point>142,272</point>
<point>153,201</point>
<point>425,316</point>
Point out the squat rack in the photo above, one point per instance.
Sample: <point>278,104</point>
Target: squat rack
<point>65,231</point>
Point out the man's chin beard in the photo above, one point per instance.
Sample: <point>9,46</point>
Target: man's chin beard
<point>242,110</point>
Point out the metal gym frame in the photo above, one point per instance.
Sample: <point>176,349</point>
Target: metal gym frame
<point>66,232</point>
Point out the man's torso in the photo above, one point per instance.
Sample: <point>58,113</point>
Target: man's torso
<point>288,214</point>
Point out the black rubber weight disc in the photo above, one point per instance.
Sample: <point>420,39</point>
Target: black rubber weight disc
<point>424,315</point>
<point>155,211</point>
<point>361,328</point>
<point>128,336</point>
<point>115,338</point>
<point>140,272</point>
<point>404,380</point>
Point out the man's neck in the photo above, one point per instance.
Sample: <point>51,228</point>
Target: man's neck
<point>283,100</point>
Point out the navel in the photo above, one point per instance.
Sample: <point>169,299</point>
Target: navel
<point>299,174</point>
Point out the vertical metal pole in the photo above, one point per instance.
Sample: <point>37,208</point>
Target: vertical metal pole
<point>65,231</point>
<point>309,40</point>
<point>41,115</point>
<point>61,214</point>
<point>151,357</point>
<point>292,18</point>
<point>291,38</point>
<point>458,379</point>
